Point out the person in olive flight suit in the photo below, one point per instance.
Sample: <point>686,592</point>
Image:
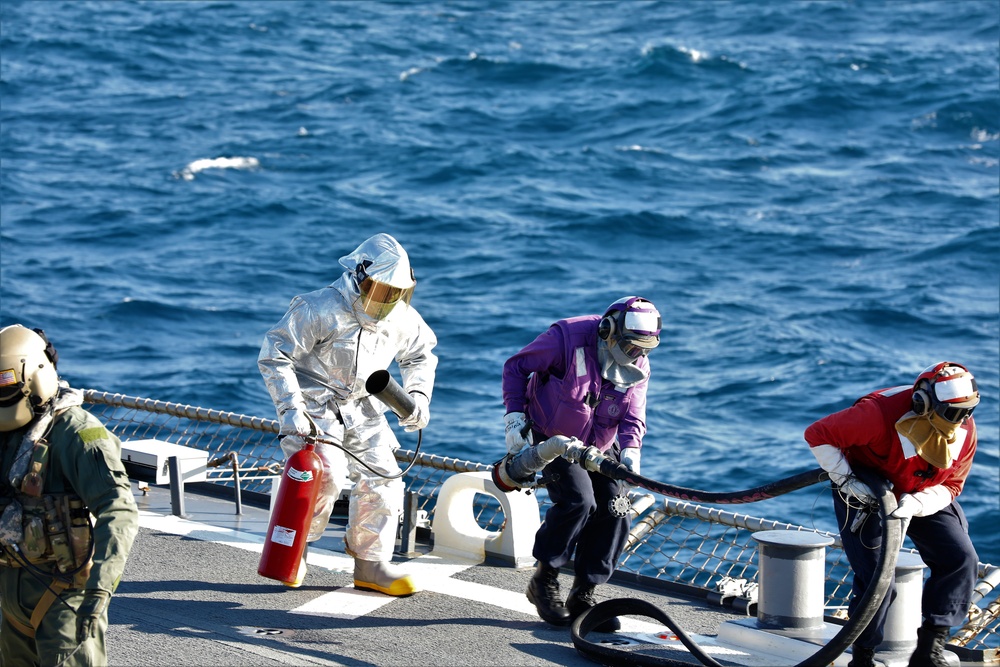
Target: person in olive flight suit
<point>58,466</point>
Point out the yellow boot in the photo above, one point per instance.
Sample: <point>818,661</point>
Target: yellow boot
<point>382,576</point>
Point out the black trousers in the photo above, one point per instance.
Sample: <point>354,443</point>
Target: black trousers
<point>580,519</point>
<point>945,547</point>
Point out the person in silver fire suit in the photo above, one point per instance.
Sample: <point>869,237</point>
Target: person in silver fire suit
<point>59,466</point>
<point>315,362</point>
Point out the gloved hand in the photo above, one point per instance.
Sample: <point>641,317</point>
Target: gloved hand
<point>421,413</point>
<point>93,606</point>
<point>930,501</point>
<point>832,460</point>
<point>514,423</point>
<point>909,506</point>
<point>852,487</point>
<point>630,457</point>
<point>297,422</point>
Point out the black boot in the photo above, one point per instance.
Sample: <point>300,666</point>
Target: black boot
<point>543,591</point>
<point>581,598</point>
<point>930,646</point>
<point>862,656</point>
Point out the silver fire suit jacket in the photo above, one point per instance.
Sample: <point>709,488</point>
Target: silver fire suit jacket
<point>316,359</point>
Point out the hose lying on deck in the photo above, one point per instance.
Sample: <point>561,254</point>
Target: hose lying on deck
<point>892,540</point>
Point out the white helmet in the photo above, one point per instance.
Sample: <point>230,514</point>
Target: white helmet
<point>382,274</point>
<point>28,377</point>
<point>948,389</point>
<point>631,326</point>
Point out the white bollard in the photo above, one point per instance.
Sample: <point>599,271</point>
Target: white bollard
<point>904,617</point>
<point>457,532</point>
<point>791,579</point>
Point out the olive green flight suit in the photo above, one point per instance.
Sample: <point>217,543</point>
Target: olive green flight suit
<point>85,460</point>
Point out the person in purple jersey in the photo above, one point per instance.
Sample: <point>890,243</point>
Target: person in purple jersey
<point>584,377</point>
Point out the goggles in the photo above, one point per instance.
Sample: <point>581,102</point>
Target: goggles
<point>378,299</point>
<point>952,413</point>
<point>631,350</point>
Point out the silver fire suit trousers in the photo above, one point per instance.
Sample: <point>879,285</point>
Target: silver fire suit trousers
<point>376,503</point>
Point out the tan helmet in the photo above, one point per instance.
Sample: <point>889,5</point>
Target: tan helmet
<point>28,377</point>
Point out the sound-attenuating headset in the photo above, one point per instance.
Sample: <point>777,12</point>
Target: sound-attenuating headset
<point>606,327</point>
<point>922,399</point>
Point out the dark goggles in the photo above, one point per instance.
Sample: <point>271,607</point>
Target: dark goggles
<point>13,390</point>
<point>954,414</point>
<point>11,395</point>
<point>631,350</point>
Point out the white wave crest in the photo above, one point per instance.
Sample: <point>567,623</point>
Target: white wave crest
<point>188,172</point>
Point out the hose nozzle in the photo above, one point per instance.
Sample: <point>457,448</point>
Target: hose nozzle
<point>517,471</point>
<point>382,386</point>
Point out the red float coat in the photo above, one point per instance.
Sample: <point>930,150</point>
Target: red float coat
<point>866,434</point>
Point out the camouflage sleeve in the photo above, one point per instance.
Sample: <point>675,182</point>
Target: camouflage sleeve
<point>90,458</point>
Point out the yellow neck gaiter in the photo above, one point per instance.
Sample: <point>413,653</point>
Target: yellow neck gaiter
<point>931,435</point>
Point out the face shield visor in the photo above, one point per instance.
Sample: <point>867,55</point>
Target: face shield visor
<point>378,299</point>
<point>382,273</point>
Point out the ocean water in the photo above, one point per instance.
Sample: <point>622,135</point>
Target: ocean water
<point>808,191</point>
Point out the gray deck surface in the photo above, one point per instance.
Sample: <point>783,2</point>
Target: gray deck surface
<point>191,595</point>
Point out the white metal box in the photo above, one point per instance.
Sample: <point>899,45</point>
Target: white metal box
<point>150,459</point>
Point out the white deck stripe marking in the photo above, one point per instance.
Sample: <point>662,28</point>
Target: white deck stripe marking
<point>344,603</point>
<point>331,560</point>
<point>430,572</point>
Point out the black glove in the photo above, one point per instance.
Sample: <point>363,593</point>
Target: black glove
<point>95,603</point>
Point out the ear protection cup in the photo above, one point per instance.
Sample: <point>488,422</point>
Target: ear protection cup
<point>921,400</point>
<point>606,328</point>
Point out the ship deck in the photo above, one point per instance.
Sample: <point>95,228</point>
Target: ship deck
<point>191,595</point>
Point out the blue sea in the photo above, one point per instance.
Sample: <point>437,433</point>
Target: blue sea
<point>808,191</point>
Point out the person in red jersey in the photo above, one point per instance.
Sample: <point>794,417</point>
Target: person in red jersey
<point>921,439</point>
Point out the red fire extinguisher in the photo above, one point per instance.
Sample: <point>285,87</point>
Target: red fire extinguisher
<point>293,512</point>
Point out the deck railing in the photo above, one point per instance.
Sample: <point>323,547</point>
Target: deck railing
<point>672,541</point>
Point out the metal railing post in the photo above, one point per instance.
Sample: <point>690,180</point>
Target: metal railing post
<point>176,488</point>
<point>236,482</point>
<point>408,532</point>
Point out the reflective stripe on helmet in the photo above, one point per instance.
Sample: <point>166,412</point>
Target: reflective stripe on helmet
<point>644,323</point>
<point>955,388</point>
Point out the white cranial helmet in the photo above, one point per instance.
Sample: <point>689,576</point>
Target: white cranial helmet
<point>28,377</point>
<point>631,326</point>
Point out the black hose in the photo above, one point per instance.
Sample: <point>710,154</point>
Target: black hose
<point>892,540</point>
<point>607,654</point>
<point>615,470</point>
